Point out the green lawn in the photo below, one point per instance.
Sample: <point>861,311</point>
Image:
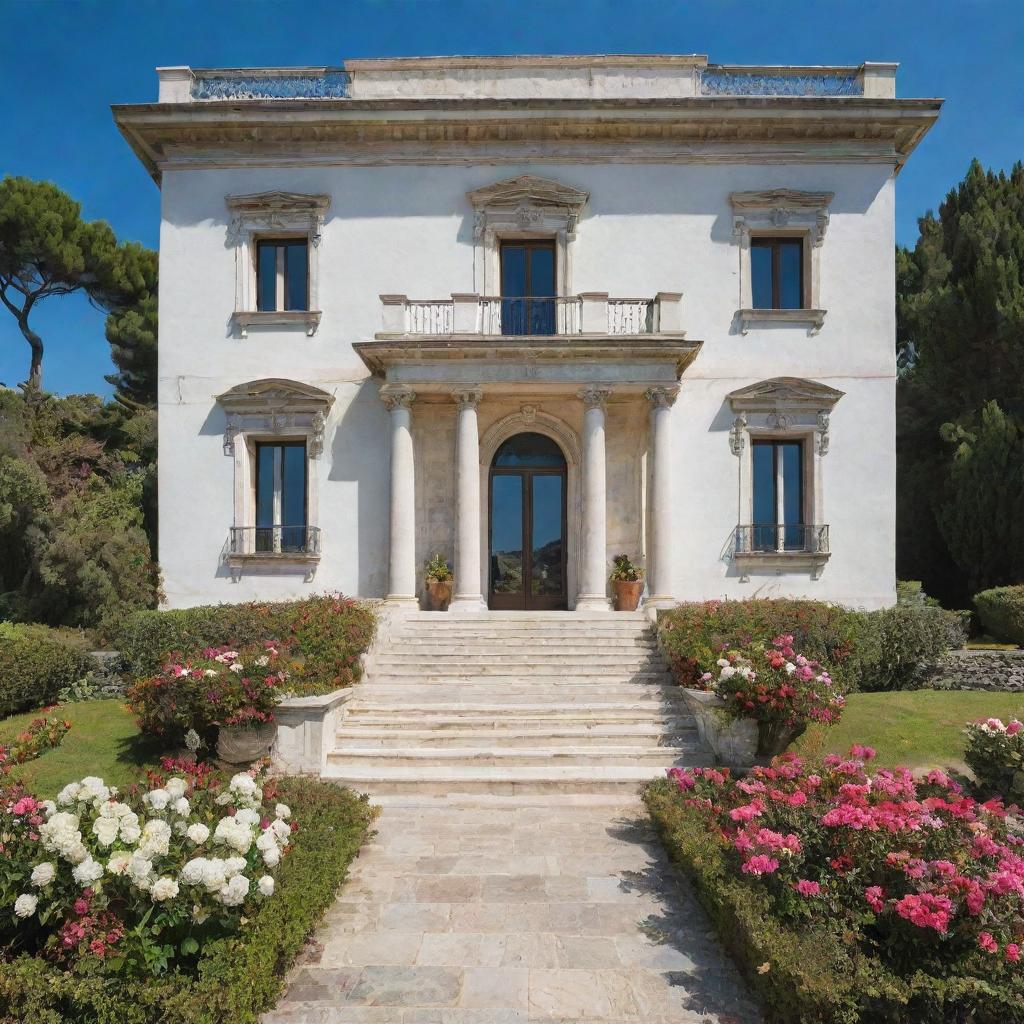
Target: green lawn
<point>103,740</point>
<point>917,728</point>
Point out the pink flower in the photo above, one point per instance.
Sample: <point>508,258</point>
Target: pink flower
<point>807,888</point>
<point>747,812</point>
<point>760,865</point>
<point>926,911</point>
<point>1012,952</point>
<point>1014,727</point>
<point>987,942</point>
<point>864,753</point>
<point>682,777</point>
<point>874,895</point>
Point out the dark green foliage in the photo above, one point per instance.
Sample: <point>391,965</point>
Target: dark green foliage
<point>73,475</point>
<point>812,974</point>
<point>1001,611</point>
<point>960,305</point>
<point>694,635</point>
<point>899,648</point>
<point>36,662</point>
<point>330,634</point>
<point>890,649</point>
<point>238,978</point>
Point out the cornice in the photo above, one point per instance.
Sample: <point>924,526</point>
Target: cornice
<point>693,129</point>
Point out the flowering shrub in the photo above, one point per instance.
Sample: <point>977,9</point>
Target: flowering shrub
<point>911,870</point>
<point>995,753</point>
<point>137,882</point>
<point>780,689</point>
<point>41,735</point>
<point>220,686</point>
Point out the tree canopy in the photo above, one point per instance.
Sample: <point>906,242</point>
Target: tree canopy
<point>960,312</point>
<point>47,250</point>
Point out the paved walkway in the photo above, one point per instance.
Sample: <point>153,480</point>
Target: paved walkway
<point>463,915</point>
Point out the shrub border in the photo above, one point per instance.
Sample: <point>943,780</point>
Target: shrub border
<point>239,977</point>
<point>806,975</point>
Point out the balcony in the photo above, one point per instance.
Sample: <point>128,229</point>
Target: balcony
<point>773,548</point>
<point>281,546</point>
<point>539,338</point>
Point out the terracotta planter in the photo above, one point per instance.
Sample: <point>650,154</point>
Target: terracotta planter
<point>243,744</point>
<point>439,595</point>
<point>733,741</point>
<point>627,594</point>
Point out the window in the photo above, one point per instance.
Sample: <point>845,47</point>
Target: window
<point>528,287</point>
<point>776,273</point>
<point>282,274</point>
<point>281,497</point>
<point>778,496</point>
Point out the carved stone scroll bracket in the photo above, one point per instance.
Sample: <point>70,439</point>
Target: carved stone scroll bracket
<point>738,435</point>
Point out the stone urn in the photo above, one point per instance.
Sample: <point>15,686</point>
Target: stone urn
<point>439,594</point>
<point>627,594</point>
<point>243,744</point>
<point>734,741</point>
<point>775,737</point>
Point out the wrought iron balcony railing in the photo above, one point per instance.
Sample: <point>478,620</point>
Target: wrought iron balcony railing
<point>781,538</point>
<point>274,541</point>
<point>589,313</point>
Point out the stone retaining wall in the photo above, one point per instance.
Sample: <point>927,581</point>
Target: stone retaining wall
<point>981,670</point>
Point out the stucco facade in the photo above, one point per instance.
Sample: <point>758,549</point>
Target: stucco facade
<point>652,178</point>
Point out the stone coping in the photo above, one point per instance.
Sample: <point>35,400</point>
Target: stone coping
<point>317,702</point>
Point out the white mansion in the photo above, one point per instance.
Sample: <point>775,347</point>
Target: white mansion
<point>527,312</point>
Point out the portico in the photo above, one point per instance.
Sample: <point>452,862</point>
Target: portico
<point>456,403</point>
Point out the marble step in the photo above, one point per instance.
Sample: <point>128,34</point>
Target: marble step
<point>445,720</point>
<point>538,674</point>
<point>400,695</point>
<point>539,648</point>
<point>497,756</point>
<point>515,734</point>
<point>485,657</point>
<point>529,779</point>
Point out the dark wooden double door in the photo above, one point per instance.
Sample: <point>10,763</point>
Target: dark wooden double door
<point>527,528</point>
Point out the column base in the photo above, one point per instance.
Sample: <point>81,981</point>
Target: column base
<point>593,603</point>
<point>660,601</point>
<point>407,601</point>
<point>468,603</point>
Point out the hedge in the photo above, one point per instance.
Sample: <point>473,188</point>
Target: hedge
<point>890,649</point>
<point>238,978</point>
<point>330,633</point>
<point>36,662</point>
<point>1001,611</point>
<point>810,974</point>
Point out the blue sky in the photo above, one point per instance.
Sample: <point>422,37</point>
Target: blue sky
<point>66,62</point>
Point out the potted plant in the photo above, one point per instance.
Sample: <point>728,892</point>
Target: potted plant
<point>440,583</point>
<point>757,701</point>
<point>628,582</point>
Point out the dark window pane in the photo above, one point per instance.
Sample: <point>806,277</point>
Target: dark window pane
<point>529,450</point>
<point>513,270</point>
<point>790,276</point>
<point>791,454</point>
<point>761,276</point>
<point>507,533</point>
<point>542,270</point>
<point>546,534</point>
<point>266,276</point>
<point>296,275</point>
<point>264,497</point>
<point>763,538</point>
<point>293,496</point>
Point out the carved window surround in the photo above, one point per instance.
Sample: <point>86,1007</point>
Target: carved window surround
<point>784,408</point>
<point>273,409</point>
<point>280,214</point>
<point>524,207</point>
<point>780,212</point>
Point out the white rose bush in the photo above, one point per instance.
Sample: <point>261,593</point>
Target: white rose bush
<point>138,881</point>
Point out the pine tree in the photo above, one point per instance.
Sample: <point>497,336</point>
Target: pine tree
<point>960,312</point>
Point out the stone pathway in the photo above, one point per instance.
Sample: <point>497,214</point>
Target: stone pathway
<point>509,915</point>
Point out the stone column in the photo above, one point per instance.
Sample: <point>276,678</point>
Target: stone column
<point>468,596</point>
<point>402,588</point>
<point>659,575</point>
<point>593,593</point>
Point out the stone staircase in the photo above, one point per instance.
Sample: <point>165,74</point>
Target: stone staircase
<point>559,704</point>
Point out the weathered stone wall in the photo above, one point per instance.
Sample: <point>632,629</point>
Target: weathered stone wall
<point>981,670</point>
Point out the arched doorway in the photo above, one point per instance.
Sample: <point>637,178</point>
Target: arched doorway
<point>527,525</point>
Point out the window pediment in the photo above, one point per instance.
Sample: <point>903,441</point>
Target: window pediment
<point>280,211</point>
<point>529,203</point>
<point>775,208</point>
<point>276,406</point>
<point>782,394</point>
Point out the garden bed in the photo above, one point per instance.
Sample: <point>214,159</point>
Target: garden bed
<point>835,922</point>
<point>236,978</point>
